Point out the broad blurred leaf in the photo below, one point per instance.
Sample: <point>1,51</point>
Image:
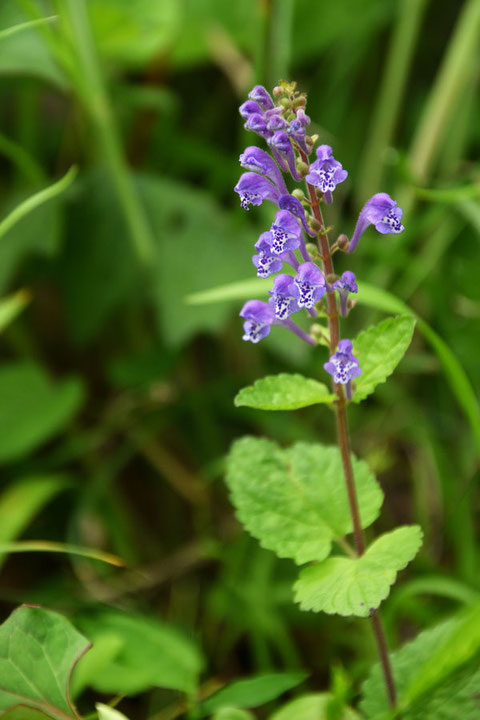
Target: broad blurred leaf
<point>347,586</point>
<point>151,654</point>
<point>379,350</point>
<point>33,408</point>
<point>283,392</point>
<point>132,32</point>
<point>232,713</point>
<point>294,500</point>
<point>312,707</point>
<point>38,649</point>
<point>198,246</point>
<point>26,52</point>
<point>23,499</point>
<point>251,692</point>
<point>437,674</point>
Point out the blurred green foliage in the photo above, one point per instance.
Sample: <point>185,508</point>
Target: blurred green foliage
<point>113,387</point>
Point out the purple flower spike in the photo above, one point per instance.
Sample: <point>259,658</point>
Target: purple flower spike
<point>249,108</point>
<point>284,297</point>
<point>280,142</point>
<point>285,234</point>
<point>310,284</point>
<point>326,172</point>
<point>294,206</point>
<point>345,285</point>
<point>382,212</point>
<point>258,124</point>
<point>343,366</point>
<point>262,97</point>
<point>261,162</point>
<point>259,317</point>
<point>265,262</point>
<point>254,189</point>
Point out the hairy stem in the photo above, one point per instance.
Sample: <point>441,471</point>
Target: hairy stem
<point>344,441</point>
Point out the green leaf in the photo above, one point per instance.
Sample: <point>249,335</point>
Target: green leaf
<point>240,290</point>
<point>379,350</point>
<point>294,500</point>
<point>347,586</point>
<point>23,499</point>
<point>232,713</point>
<point>151,654</point>
<point>437,674</point>
<point>311,707</point>
<point>105,712</point>
<point>252,692</point>
<point>283,392</point>
<point>33,408</point>
<point>11,306</point>
<point>38,649</point>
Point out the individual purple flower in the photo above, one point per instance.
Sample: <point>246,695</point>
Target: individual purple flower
<point>345,285</point>
<point>258,124</point>
<point>343,366</point>
<point>294,206</point>
<point>310,284</point>
<point>262,97</point>
<point>254,189</point>
<point>296,129</point>
<point>259,317</point>
<point>276,122</point>
<point>380,211</point>
<point>285,233</point>
<point>284,297</point>
<point>268,263</point>
<point>259,161</point>
<point>326,172</point>
<point>249,108</point>
<point>283,151</point>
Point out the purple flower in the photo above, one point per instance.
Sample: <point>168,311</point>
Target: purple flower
<point>284,297</point>
<point>262,97</point>
<point>258,124</point>
<point>345,285</point>
<point>310,284</point>
<point>294,206</point>
<point>296,129</point>
<point>265,262</point>
<point>259,317</point>
<point>285,233</point>
<point>249,108</point>
<point>283,151</point>
<point>326,172</point>
<point>343,366</point>
<point>380,211</point>
<point>254,189</point>
<point>259,161</point>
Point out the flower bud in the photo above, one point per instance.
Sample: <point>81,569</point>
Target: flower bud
<point>342,241</point>
<point>302,168</point>
<point>298,193</point>
<point>331,278</point>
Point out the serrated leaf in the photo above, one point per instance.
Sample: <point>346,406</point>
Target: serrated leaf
<point>314,706</point>
<point>151,653</point>
<point>294,500</point>
<point>449,697</point>
<point>38,649</point>
<point>379,350</point>
<point>252,692</point>
<point>283,392</point>
<point>347,586</point>
<point>32,407</point>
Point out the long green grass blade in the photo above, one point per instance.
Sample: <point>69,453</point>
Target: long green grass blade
<point>14,29</point>
<point>34,201</point>
<point>58,547</point>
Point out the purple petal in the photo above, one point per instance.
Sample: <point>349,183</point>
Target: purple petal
<point>261,96</point>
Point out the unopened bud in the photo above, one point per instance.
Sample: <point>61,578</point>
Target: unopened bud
<point>277,91</point>
<point>284,102</point>
<point>331,278</point>
<point>298,193</point>
<point>342,241</point>
<point>315,225</point>
<point>302,168</point>
<point>301,101</point>
<point>312,249</point>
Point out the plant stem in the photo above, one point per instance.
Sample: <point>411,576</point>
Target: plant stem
<point>344,441</point>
